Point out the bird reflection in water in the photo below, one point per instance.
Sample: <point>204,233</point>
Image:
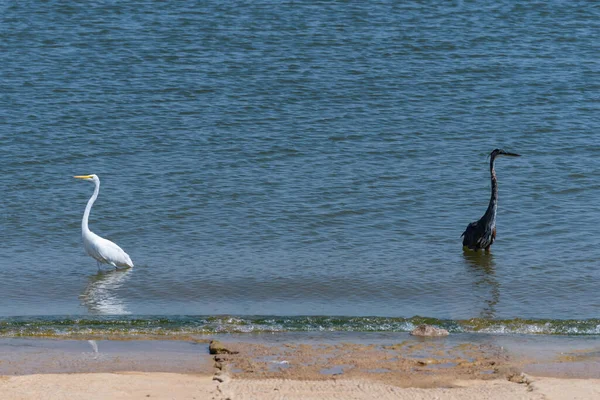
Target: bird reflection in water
<point>100,295</point>
<point>482,267</point>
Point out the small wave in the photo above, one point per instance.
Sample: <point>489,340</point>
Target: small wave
<point>190,325</point>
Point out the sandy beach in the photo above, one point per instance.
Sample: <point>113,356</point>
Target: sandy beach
<point>301,367</point>
<point>139,385</point>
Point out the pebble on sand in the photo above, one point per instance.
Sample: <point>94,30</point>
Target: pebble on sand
<point>429,330</point>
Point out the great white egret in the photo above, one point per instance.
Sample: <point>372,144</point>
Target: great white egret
<point>102,250</point>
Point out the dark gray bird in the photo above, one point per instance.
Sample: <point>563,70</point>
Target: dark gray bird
<point>481,234</point>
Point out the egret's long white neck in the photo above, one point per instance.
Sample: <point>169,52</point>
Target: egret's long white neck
<point>88,208</point>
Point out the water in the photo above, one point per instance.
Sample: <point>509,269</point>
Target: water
<point>300,159</point>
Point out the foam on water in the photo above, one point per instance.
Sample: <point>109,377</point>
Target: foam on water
<point>199,325</point>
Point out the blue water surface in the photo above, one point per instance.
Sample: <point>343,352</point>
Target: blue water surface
<point>300,158</point>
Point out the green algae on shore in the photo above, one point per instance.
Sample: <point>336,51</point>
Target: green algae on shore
<point>178,326</point>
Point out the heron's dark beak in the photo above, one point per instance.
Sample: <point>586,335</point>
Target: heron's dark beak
<point>506,153</point>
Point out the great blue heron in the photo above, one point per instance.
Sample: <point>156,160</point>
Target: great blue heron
<point>481,234</point>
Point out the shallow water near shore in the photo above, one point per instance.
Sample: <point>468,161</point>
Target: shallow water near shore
<point>557,356</point>
<point>299,162</point>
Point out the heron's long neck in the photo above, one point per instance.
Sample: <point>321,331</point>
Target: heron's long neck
<point>88,208</point>
<point>490,213</point>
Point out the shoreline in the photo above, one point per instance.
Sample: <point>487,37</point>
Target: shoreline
<point>165,326</point>
<point>304,366</point>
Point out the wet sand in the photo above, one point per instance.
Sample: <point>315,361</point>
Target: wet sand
<point>303,366</point>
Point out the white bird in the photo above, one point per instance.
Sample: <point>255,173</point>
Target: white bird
<point>102,250</point>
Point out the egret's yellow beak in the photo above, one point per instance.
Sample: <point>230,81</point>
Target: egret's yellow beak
<point>83,177</point>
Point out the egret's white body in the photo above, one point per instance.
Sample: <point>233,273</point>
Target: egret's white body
<point>102,250</point>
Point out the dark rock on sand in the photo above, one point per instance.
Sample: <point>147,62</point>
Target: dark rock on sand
<point>216,347</point>
<point>429,330</point>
